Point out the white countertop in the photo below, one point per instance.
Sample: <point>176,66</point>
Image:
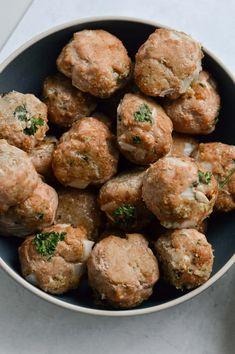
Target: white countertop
<point>203,325</point>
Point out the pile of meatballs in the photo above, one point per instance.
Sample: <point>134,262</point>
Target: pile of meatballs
<point>119,190</point>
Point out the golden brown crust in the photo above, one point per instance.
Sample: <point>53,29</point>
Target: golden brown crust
<point>173,191</point>
<point>96,61</point>
<point>167,63</point>
<point>12,126</point>
<point>85,155</point>
<point>41,155</point>
<point>196,111</point>
<point>186,258</point>
<point>142,142</point>
<point>219,158</point>
<point>183,145</point>
<point>123,271</point>
<point>65,103</point>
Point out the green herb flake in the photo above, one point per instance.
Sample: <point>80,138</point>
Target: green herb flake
<point>35,123</point>
<point>144,114</point>
<point>136,140</point>
<point>46,242</point>
<point>204,177</point>
<point>124,214</point>
<point>32,123</point>
<point>226,179</point>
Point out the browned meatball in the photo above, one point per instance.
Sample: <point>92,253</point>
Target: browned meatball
<point>143,129</point>
<point>186,258</point>
<point>96,61</point>
<point>178,192</point>
<point>121,199</point>
<point>183,145</point>
<point>18,177</point>
<point>54,260</point>
<point>35,213</point>
<point>41,155</point>
<point>65,103</point>
<point>79,208</point>
<point>167,63</point>
<point>196,111</point>
<point>23,119</point>
<point>123,271</point>
<point>85,155</point>
<point>220,160</point>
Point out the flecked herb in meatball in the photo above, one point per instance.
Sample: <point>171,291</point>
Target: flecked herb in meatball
<point>123,271</point>
<point>54,259</point>
<point>121,200</point>
<point>96,61</point>
<point>196,111</point>
<point>23,119</point>
<point>85,155</point>
<point>219,159</point>
<point>186,258</point>
<point>143,129</point>
<point>66,103</point>
<point>179,192</point>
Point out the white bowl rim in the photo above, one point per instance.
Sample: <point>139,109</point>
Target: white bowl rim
<point>47,297</point>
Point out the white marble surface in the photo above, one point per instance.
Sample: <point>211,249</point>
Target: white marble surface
<point>204,325</point>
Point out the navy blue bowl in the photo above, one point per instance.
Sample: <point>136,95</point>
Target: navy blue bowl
<point>25,71</point>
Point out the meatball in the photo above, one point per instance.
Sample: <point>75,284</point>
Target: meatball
<point>183,145</point>
<point>35,213</point>
<point>85,155</point>
<point>143,129</point>
<point>65,103</point>
<point>96,61</point>
<point>121,199</point>
<point>79,208</point>
<point>41,155</point>
<point>196,111</point>
<point>179,193</point>
<point>54,260</point>
<point>186,258</point>
<point>123,271</point>
<point>18,177</point>
<point>219,159</point>
<point>23,119</point>
<point>167,63</point>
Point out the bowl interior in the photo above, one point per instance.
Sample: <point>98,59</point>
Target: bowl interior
<point>26,74</point>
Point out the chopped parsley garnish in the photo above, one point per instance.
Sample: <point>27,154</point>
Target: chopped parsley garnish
<point>125,214</point>
<point>32,123</point>
<point>226,179</point>
<point>136,139</point>
<point>204,177</point>
<point>144,114</point>
<point>46,242</point>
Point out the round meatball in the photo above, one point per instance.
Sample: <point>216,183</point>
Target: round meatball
<point>41,155</point>
<point>220,160</point>
<point>179,193</point>
<point>196,111</point>
<point>65,103</point>
<point>183,145</point>
<point>79,208</point>
<point>186,258</point>
<point>23,119</point>
<point>143,129</point>
<point>96,61</point>
<point>54,260</point>
<point>123,271</point>
<point>121,199</point>
<point>35,213</point>
<point>85,155</point>
<point>18,177</point>
<point>167,63</point>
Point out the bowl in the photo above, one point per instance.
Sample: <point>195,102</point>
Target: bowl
<point>25,71</point>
